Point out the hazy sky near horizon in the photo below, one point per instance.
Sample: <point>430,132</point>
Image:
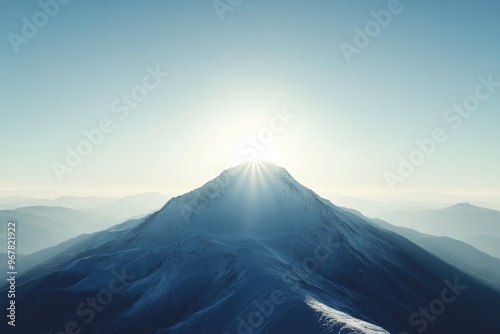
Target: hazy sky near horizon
<point>348,122</point>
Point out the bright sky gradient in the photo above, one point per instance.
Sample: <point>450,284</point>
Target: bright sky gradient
<point>226,80</point>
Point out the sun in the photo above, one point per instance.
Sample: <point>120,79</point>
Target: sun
<point>268,154</point>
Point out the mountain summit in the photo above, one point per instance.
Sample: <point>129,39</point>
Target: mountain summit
<point>251,197</point>
<point>253,251</point>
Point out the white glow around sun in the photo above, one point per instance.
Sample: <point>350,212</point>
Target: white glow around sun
<point>269,154</point>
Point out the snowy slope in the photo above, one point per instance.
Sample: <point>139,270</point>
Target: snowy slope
<point>253,251</point>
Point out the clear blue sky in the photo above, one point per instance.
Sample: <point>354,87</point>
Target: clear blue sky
<point>226,80</point>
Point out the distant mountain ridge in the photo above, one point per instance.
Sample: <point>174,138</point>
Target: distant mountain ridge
<point>459,221</point>
<point>40,227</point>
<point>485,243</point>
<point>121,208</point>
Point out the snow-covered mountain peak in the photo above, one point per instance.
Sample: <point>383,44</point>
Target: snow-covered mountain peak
<point>253,199</point>
<point>252,182</point>
<point>257,172</point>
